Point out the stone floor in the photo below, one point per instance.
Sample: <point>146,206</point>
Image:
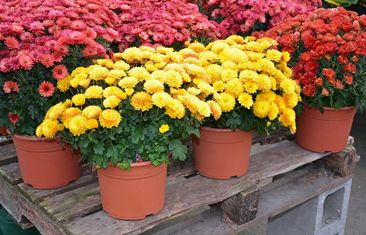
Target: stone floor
<point>356,223</point>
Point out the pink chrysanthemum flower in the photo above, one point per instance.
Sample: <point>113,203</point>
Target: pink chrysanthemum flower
<point>46,89</point>
<point>10,86</point>
<point>59,72</point>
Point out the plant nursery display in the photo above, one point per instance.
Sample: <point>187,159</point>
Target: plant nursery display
<point>128,116</point>
<point>39,45</point>
<point>328,48</point>
<point>249,87</point>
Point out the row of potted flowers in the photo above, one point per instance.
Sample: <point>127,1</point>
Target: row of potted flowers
<point>138,107</point>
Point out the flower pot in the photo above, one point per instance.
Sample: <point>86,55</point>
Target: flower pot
<point>133,194</point>
<point>323,132</point>
<point>46,163</point>
<point>222,153</point>
<point>3,131</point>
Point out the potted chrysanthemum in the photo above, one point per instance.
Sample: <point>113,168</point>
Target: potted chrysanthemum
<point>249,87</point>
<point>329,48</point>
<point>128,116</point>
<point>39,45</point>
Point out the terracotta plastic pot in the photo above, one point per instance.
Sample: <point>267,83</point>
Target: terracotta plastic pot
<point>3,131</point>
<point>324,132</point>
<point>133,194</point>
<point>222,153</point>
<point>46,163</point>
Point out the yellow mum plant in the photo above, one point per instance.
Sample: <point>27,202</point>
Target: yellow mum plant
<point>140,104</point>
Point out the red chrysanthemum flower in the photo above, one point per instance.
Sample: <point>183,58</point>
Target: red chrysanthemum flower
<point>10,86</point>
<point>14,118</point>
<point>26,62</point>
<point>59,72</point>
<point>46,89</point>
<point>11,42</point>
<point>47,60</point>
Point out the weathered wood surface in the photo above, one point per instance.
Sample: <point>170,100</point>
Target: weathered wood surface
<point>292,190</point>
<point>8,154</point>
<point>19,205</point>
<point>11,172</point>
<point>343,163</point>
<point>76,208</point>
<point>196,191</point>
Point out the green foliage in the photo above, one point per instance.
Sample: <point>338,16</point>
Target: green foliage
<point>136,138</point>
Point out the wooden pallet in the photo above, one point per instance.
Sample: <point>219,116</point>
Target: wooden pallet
<point>76,208</point>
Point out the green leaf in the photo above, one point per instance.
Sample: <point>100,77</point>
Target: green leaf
<point>178,150</point>
<point>99,149</point>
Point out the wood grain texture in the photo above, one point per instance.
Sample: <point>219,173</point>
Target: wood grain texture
<point>37,195</point>
<point>18,205</point>
<point>283,194</point>
<point>7,154</point>
<point>11,173</point>
<point>196,191</point>
<point>74,203</point>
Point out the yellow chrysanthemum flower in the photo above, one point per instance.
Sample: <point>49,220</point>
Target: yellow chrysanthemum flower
<point>111,102</point>
<point>261,108</point>
<point>129,91</point>
<point>153,86</point>
<point>49,128</point>
<point>274,55</point>
<point>84,83</point>
<point>78,99</point>
<point>121,65</point>
<point>163,128</point>
<point>114,91</point>
<point>105,62</point>
<point>194,91</point>
<point>218,45</point>
<point>98,73</point>
<point>110,118</point>
<point>204,109</point>
<point>64,84</point>
<point>273,112</point>
<point>291,99</point>
<point>206,88</point>
<point>173,79</point>
<point>234,87</point>
<point>128,82</point>
<point>197,47</point>
<point>248,76</point>
<point>219,85</point>
<point>92,112</point>
<point>55,111</point>
<point>70,112</point>
<point>94,92</point>
<point>287,118</point>
<point>233,54</point>
<point>288,86</point>
<point>286,56</point>
<point>264,82</point>
<point>160,99</point>
<point>131,54</point>
<point>140,73</point>
<point>246,100</point>
<point>214,71</point>
<point>215,109</point>
<point>92,124</point>
<point>228,74</point>
<point>141,101</point>
<point>39,132</point>
<point>77,125</point>
<point>250,87</point>
<point>226,102</point>
<point>175,109</point>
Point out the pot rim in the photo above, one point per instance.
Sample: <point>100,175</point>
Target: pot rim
<point>137,164</point>
<point>34,138</point>
<point>221,129</point>
<point>333,109</point>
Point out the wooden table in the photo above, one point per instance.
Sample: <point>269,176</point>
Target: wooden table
<point>235,204</point>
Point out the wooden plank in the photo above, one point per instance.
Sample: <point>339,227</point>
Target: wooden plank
<point>37,195</point>
<point>11,172</point>
<point>7,154</point>
<point>74,203</point>
<point>283,194</point>
<point>342,163</point>
<point>197,191</point>
<point>20,206</point>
